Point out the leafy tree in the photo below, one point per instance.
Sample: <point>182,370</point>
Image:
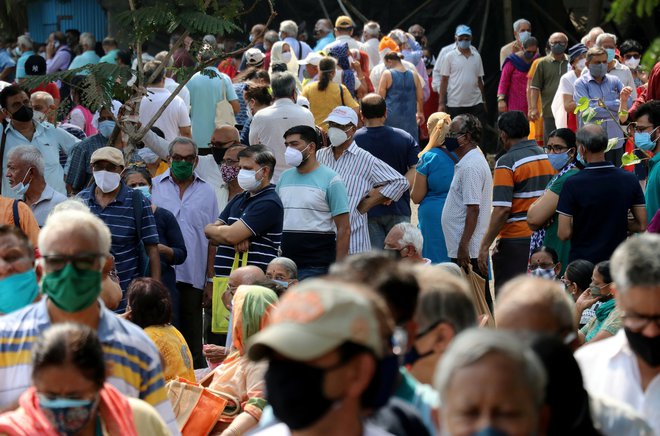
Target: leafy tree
<point>620,9</point>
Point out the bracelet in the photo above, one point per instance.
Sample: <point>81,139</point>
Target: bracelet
<point>209,280</point>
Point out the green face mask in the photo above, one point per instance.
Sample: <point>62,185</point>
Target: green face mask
<point>72,289</point>
<point>181,170</point>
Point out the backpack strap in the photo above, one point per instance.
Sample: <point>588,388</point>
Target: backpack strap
<point>448,153</point>
<point>341,94</point>
<point>3,142</point>
<point>17,217</point>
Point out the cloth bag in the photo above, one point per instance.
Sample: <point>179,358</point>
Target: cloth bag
<point>219,313</point>
<point>478,291</point>
<point>224,112</point>
<point>196,408</point>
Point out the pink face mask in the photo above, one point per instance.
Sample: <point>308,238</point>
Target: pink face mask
<point>229,173</point>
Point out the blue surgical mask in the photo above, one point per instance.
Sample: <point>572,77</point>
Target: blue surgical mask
<point>251,37</point>
<point>144,190</point>
<point>598,70</point>
<point>463,44</point>
<point>106,128</point>
<point>524,36</point>
<point>21,188</point>
<point>558,160</point>
<point>282,283</point>
<point>580,159</point>
<point>643,140</point>
<point>610,54</point>
<point>18,291</point>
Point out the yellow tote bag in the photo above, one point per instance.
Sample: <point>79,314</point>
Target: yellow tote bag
<point>219,313</point>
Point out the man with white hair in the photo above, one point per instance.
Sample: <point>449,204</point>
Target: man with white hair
<point>170,83</point>
<point>25,171</point>
<point>406,241</point>
<point>370,41</point>
<point>75,247</point>
<point>590,38</point>
<point>44,106</point>
<point>88,55</point>
<point>26,48</point>
<point>607,41</point>
<point>323,34</point>
<point>289,34</point>
<point>522,30</point>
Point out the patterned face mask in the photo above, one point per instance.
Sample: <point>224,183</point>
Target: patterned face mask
<point>228,172</point>
<point>549,273</point>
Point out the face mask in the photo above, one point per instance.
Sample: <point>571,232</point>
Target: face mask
<point>413,355</point>
<point>596,291</point>
<point>451,144</point>
<point>282,283</point>
<point>337,136</point>
<point>251,37</point>
<point>144,190</point>
<point>558,160</point>
<point>106,180</point>
<point>181,170</point>
<point>581,64</point>
<point>248,111</point>
<point>71,289</point>
<point>18,51</point>
<point>24,114</point>
<point>464,44</point>
<point>56,44</point>
<point>294,157</point>
<point>528,55</point>
<point>18,290</point>
<point>218,154</point>
<point>229,173</point>
<point>549,273</point>
<point>147,155</point>
<point>524,36</point>
<point>247,180</point>
<point>384,382</point>
<point>68,416</point>
<point>610,54</point>
<point>643,140</point>
<point>21,188</point>
<point>632,63</point>
<point>286,57</point>
<point>558,49</point>
<point>295,391</point>
<point>106,128</point>
<point>598,70</point>
<point>38,116</point>
<point>646,348</point>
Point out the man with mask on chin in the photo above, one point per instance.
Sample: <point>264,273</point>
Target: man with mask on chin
<point>115,203</point>
<point>369,181</point>
<point>627,366</point>
<point>75,247</point>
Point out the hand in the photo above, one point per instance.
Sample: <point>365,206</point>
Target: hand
<point>501,106</point>
<point>207,298</point>
<point>482,260</point>
<point>355,66</point>
<point>420,118</point>
<point>533,114</point>
<point>242,246</point>
<point>463,256</point>
<point>50,49</point>
<point>625,93</point>
<point>585,301</point>
<point>214,353</point>
<point>442,107</point>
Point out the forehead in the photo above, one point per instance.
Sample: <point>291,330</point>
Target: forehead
<point>21,96</point>
<point>276,268</point>
<point>10,241</point>
<point>524,26</point>
<point>598,58</point>
<point>643,300</point>
<point>70,241</point>
<point>607,41</point>
<point>183,148</point>
<point>233,153</point>
<point>541,255</point>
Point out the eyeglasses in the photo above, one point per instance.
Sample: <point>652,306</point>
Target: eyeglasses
<point>178,158</point>
<point>84,261</point>
<point>555,148</point>
<point>637,323</point>
<point>639,128</point>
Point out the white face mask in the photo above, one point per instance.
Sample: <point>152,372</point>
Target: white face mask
<point>286,57</point>
<point>106,181</point>
<point>294,157</point>
<point>39,116</point>
<point>581,64</point>
<point>336,136</point>
<point>248,110</point>
<point>632,63</point>
<point>247,180</point>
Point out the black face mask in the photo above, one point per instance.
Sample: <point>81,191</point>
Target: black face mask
<point>382,385</point>
<point>451,144</point>
<point>646,348</point>
<point>24,114</point>
<point>218,154</point>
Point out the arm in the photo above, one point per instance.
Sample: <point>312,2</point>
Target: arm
<point>565,227</point>
<point>419,189</point>
<point>533,105</point>
<point>385,83</point>
<point>186,131</point>
<point>419,94</point>
<point>542,210</point>
<point>157,144</point>
<point>444,80</point>
<point>207,298</point>
<point>498,218</point>
<point>504,86</point>
<point>410,176</point>
<point>483,90</point>
<point>235,105</point>
<point>7,71</point>
<point>176,253</point>
<point>569,103</point>
<point>220,233</point>
<point>154,260</point>
<point>343,235</point>
<point>639,213</point>
<point>471,217</point>
<point>240,425</point>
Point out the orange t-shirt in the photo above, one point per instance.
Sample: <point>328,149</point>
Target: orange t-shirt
<point>29,225</point>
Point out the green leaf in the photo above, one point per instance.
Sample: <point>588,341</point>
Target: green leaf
<point>199,22</point>
<point>582,105</point>
<point>611,144</point>
<point>588,115</point>
<point>629,158</point>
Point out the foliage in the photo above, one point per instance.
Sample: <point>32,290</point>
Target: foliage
<point>620,9</point>
<point>651,55</point>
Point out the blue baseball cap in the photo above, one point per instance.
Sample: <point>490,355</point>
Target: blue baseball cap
<point>463,30</point>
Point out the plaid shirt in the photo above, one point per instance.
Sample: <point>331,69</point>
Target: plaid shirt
<point>80,171</point>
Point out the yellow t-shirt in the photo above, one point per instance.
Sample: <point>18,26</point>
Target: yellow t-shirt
<point>321,103</point>
<point>177,360</point>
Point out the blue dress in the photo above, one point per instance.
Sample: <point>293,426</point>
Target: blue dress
<point>401,102</point>
<point>439,171</point>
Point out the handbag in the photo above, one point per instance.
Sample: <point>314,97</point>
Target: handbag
<point>478,294</point>
<point>224,113</point>
<point>143,259</point>
<point>197,409</point>
<point>219,313</point>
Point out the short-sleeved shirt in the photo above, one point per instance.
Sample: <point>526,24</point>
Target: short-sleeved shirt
<point>6,61</point>
<point>79,172</point>
<point>653,187</point>
<point>598,199</point>
<point>472,185</point>
<point>44,205</point>
<point>20,64</point>
<point>321,103</point>
<point>263,214</point>
<point>119,216</point>
<point>29,225</point>
<point>310,202</point>
<point>174,351</point>
<point>464,74</point>
<point>173,117</point>
<point>546,79</point>
<point>85,58</point>
<point>521,176</point>
<point>398,149</point>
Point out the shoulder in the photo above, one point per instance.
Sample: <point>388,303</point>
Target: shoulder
<point>118,331</point>
<point>147,419</point>
<point>600,352</point>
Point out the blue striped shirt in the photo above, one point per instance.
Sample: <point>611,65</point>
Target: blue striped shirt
<point>132,358</point>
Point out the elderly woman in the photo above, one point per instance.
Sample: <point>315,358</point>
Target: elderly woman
<point>435,171</point>
<point>238,379</point>
<point>483,371</point>
<point>282,271</point>
<point>70,395</point>
<point>576,280</point>
<point>607,321</point>
<point>512,90</point>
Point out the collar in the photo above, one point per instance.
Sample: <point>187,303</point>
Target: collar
<point>156,90</point>
<point>268,188</point>
<point>213,68</point>
<point>524,144</point>
<point>618,345</point>
<point>589,78</point>
<point>46,194</point>
<point>552,59</point>
<point>38,128</point>
<point>43,320</point>
<point>284,101</point>
<point>472,50</point>
<point>598,165</point>
<point>656,157</point>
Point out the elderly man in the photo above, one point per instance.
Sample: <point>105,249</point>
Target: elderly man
<point>344,27</point>
<point>58,53</point>
<point>25,171</point>
<point>88,55</point>
<point>111,49</point>
<point>406,242</point>
<point>44,107</point>
<point>75,246</point>
<point>522,30</point>
<point>370,41</point>
<point>608,42</point>
<point>483,369</point>
<point>26,47</point>
<point>192,201</point>
<point>19,284</point>
<point>323,34</point>
<point>289,34</point>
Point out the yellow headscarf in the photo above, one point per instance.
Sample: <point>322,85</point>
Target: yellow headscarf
<point>438,126</point>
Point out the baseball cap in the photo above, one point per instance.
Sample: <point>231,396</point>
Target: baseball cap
<point>316,317</point>
<point>35,65</point>
<point>302,101</point>
<point>110,154</point>
<point>342,115</point>
<point>254,57</point>
<point>344,21</point>
<point>576,51</point>
<point>462,29</point>
<point>313,58</point>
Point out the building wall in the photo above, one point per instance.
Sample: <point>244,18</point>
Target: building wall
<point>46,16</point>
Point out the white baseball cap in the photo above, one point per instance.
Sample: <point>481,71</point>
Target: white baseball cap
<point>254,57</point>
<point>312,58</point>
<point>343,115</point>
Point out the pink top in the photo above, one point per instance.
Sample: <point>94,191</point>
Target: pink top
<point>513,84</point>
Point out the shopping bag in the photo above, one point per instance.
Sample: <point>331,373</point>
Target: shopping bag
<point>197,409</point>
<point>224,112</point>
<point>478,294</point>
<point>219,313</point>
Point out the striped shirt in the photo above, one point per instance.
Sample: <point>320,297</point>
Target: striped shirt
<point>132,358</point>
<point>361,171</point>
<point>521,176</point>
<point>262,213</point>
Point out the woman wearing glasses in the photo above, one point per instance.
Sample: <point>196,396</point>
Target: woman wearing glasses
<point>607,320</point>
<point>542,214</point>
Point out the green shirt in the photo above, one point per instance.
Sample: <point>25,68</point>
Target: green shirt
<point>563,248</point>
<point>546,79</point>
<point>653,188</point>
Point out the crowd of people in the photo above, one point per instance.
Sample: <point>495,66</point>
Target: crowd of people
<point>254,264</point>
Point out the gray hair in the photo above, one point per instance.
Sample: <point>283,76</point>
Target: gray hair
<point>210,39</point>
<point>161,56</point>
<point>206,53</point>
<point>603,36</point>
<point>636,262</point>
<point>289,27</point>
<point>593,137</point>
<point>288,264</point>
<point>411,236</point>
<point>261,155</point>
<point>372,28</point>
<point>181,140</point>
<point>446,300</point>
<point>271,36</point>
<point>283,84</point>
<point>30,155</point>
<point>473,345</point>
<point>88,40</point>
<point>43,96</point>
<point>25,41</point>
<point>75,220</point>
<point>150,68</point>
<point>520,22</point>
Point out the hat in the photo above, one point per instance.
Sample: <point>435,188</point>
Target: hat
<point>314,318</point>
<point>254,57</point>
<point>462,29</point>
<point>344,21</point>
<point>342,115</point>
<point>388,43</point>
<point>110,154</point>
<point>576,51</point>
<point>35,65</point>
<point>302,101</point>
<point>313,58</point>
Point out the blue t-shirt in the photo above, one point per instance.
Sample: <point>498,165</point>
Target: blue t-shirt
<point>398,149</point>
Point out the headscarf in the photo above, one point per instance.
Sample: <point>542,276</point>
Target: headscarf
<point>438,126</point>
<point>276,58</point>
<point>340,52</point>
<point>387,45</point>
<point>251,309</point>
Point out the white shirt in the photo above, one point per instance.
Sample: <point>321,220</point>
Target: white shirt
<point>281,429</point>
<point>173,117</point>
<point>566,87</point>
<point>352,43</point>
<point>370,47</point>
<point>209,171</point>
<point>625,75</point>
<point>171,85</point>
<point>435,84</point>
<point>609,367</point>
<point>614,418</point>
<point>269,125</point>
<point>472,184</point>
<point>464,73</point>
